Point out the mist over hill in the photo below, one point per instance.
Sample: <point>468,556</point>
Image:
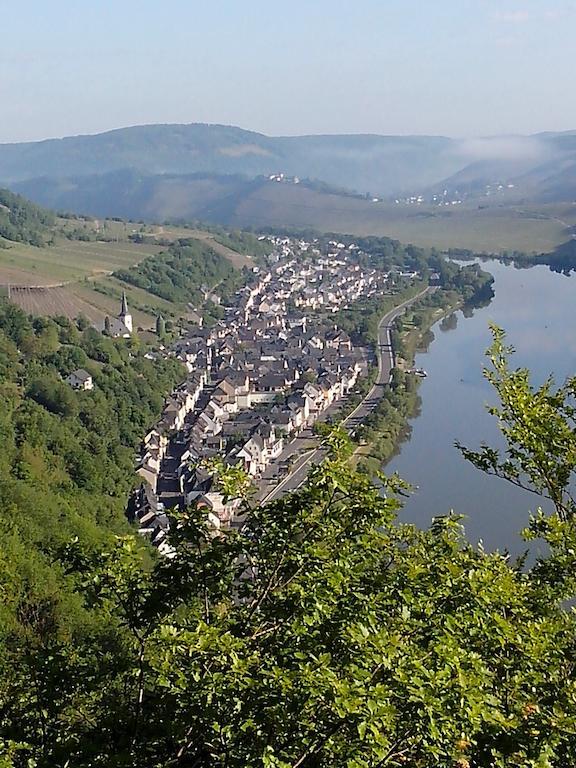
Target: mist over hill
<point>221,173</point>
<point>363,162</point>
<point>201,196</point>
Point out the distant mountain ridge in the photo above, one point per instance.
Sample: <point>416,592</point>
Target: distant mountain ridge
<point>219,173</point>
<point>362,162</point>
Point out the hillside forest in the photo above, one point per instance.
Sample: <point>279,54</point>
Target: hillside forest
<point>323,633</point>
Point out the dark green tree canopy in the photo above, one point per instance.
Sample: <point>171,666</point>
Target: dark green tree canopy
<point>22,221</point>
<point>321,633</point>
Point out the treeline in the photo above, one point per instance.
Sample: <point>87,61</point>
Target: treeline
<point>66,464</point>
<point>23,222</point>
<point>388,422</point>
<point>361,320</point>
<point>471,283</point>
<point>561,259</point>
<point>179,273</point>
<point>243,242</point>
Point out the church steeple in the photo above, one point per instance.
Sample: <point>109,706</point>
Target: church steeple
<point>125,315</point>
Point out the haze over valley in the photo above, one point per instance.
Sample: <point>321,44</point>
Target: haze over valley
<point>417,188</point>
<point>287,384</point>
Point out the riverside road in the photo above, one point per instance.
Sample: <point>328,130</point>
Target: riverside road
<point>385,356</point>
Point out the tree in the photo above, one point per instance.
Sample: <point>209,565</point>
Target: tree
<point>82,322</point>
<point>68,358</point>
<point>160,327</point>
<point>321,634</point>
<point>539,427</point>
<point>54,395</point>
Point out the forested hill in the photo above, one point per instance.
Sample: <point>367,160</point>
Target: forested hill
<point>538,167</point>
<point>183,272</point>
<point>66,464</point>
<point>23,222</point>
<point>355,161</point>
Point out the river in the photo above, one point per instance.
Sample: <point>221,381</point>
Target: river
<point>537,308</point>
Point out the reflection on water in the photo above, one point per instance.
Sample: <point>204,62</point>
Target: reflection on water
<point>536,308</point>
<point>449,323</point>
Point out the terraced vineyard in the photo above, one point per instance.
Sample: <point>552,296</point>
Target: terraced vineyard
<point>75,276</point>
<point>52,301</point>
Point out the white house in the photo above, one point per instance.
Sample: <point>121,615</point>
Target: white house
<point>80,379</point>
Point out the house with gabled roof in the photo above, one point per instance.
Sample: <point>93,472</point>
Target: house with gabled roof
<point>80,379</point>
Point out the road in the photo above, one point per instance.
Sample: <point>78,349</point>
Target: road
<point>385,355</point>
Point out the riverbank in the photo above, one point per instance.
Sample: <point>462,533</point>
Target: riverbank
<point>562,259</point>
<point>362,323</point>
<point>536,308</point>
<point>378,438</point>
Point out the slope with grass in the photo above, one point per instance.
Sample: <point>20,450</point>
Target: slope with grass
<point>490,229</point>
<point>88,263</point>
<point>241,202</point>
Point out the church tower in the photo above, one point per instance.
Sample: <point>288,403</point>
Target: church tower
<point>125,316</point>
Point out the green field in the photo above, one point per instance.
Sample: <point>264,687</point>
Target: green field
<point>489,229</point>
<point>492,230</point>
<point>76,275</point>
<point>67,260</point>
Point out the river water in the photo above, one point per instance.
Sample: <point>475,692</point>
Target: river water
<point>537,308</point>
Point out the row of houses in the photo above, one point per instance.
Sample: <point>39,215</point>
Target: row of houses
<point>176,408</point>
<point>258,378</point>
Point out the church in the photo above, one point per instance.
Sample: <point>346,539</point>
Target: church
<point>121,326</point>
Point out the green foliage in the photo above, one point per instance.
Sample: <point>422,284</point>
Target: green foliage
<point>243,242</point>
<point>388,422</point>
<point>66,464</point>
<point>23,222</point>
<point>160,327</point>
<point>361,320</point>
<point>178,273</point>
<point>54,395</point>
<point>68,358</point>
<point>322,634</point>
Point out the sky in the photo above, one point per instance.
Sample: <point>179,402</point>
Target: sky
<point>453,67</point>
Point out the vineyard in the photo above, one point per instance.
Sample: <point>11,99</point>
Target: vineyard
<point>52,301</point>
<point>74,272</point>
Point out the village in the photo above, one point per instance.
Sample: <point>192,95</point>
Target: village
<point>257,380</point>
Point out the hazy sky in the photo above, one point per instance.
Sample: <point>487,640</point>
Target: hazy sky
<point>453,67</point>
